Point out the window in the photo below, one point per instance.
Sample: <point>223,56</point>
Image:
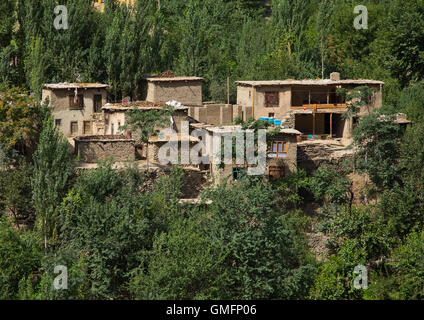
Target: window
<point>97,103</point>
<point>272,99</point>
<point>57,122</point>
<point>112,129</point>
<point>76,103</point>
<point>87,127</point>
<point>74,127</point>
<point>271,115</point>
<point>277,149</point>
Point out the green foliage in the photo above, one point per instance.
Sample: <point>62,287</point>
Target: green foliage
<point>356,99</point>
<point>20,117</point>
<point>267,258</point>
<point>411,100</point>
<point>334,280</point>
<point>329,185</point>
<point>147,123</point>
<point>42,287</point>
<point>20,257</point>
<point>377,138</point>
<point>183,264</point>
<point>366,229</point>
<point>15,192</point>
<point>405,271</point>
<point>53,170</point>
<point>109,230</point>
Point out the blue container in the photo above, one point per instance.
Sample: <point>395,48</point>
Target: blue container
<point>271,120</point>
<point>263,118</point>
<point>277,122</point>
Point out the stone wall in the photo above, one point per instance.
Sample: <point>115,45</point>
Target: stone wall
<point>91,149</point>
<point>314,153</point>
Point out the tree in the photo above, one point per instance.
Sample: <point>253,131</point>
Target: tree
<point>15,193</point>
<point>326,8</point>
<point>405,40</point>
<point>7,21</point>
<point>331,184</point>
<point>20,257</point>
<point>377,138</point>
<point>335,278</point>
<point>183,264</point>
<point>357,99</point>
<point>53,170</point>
<point>146,123</point>
<point>267,256</point>
<point>111,229</point>
<point>404,279</point>
<point>411,101</point>
<point>20,118</point>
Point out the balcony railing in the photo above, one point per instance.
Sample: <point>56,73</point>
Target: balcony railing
<point>320,106</point>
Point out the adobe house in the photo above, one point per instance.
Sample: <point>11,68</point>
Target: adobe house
<point>91,149</point>
<point>76,106</point>
<point>310,106</point>
<point>212,113</point>
<point>167,86</point>
<point>281,158</point>
<point>114,114</point>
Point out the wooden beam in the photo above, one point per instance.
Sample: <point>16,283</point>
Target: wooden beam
<point>253,102</point>
<point>228,90</point>
<point>328,95</point>
<point>331,125</point>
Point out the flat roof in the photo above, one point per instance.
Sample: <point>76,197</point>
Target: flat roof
<point>145,105</point>
<point>168,79</point>
<point>307,82</point>
<point>173,137</point>
<point>233,128</point>
<point>67,85</point>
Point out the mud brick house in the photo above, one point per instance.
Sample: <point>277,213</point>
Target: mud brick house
<point>114,114</point>
<point>76,106</point>
<point>91,149</point>
<point>310,106</point>
<point>281,155</point>
<point>167,86</point>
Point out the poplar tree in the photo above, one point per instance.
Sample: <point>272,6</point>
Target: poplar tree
<point>53,170</point>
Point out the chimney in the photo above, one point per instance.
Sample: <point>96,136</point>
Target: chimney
<point>335,76</point>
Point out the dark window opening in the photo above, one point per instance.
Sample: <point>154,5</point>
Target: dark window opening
<point>76,103</point>
<point>97,103</point>
<point>57,122</point>
<point>74,127</point>
<point>272,99</point>
<point>87,127</point>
